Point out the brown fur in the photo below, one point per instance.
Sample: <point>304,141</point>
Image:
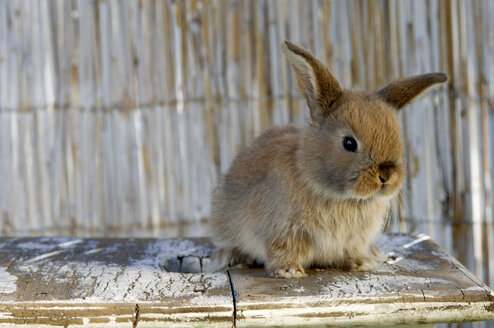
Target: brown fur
<point>296,197</point>
<point>401,92</point>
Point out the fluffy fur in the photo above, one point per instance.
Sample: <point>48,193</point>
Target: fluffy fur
<point>296,197</point>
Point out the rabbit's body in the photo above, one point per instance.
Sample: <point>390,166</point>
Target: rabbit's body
<point>266,195</point>
<point>317,195</point>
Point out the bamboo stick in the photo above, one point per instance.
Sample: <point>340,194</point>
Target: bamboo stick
<point>117,116</point>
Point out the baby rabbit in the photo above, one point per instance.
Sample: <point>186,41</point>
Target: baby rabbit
<point>317,195</point>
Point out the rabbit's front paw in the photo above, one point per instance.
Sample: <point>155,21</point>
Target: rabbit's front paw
<point>288,271</point>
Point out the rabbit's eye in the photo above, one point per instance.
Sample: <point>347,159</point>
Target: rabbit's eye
<point>350,144</point>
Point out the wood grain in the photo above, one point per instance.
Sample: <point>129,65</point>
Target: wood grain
<point>117,118</point>
<point>419,284</point>
<point>69,281</point>
<point>93,282</point>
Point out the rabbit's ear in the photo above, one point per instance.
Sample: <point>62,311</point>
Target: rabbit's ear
<point>401,92</point>
<point>315,82</point>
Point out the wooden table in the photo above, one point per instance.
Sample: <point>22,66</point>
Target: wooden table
<point>138,283</point>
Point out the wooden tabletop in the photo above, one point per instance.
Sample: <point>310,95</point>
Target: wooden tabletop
<point>140,283</point>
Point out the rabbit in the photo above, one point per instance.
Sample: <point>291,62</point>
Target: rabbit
<point>317,195</point>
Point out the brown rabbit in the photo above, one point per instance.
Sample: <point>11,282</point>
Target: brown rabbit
<point>317,195</point>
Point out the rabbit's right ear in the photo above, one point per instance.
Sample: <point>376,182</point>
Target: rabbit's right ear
<point>315,82</point>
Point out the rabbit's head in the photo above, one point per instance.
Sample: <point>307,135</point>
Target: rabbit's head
<point>352,148</point>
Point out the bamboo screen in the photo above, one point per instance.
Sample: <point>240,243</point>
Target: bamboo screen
<point>116,117</point>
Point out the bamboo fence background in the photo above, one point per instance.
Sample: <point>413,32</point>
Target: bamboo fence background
<point>116,118</point>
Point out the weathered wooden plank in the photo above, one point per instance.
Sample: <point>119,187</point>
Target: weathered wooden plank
<point>118,282</point>
<point>93,282</point>
<point>419,284</point>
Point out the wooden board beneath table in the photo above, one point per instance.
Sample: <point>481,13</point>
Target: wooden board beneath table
<point>137,282</point>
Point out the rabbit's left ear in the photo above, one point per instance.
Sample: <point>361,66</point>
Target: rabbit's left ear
<point>318,86</point>
<point>401,92</point>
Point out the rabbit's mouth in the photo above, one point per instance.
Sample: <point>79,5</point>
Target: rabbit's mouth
<point>389,189</point>
<point>367,187</point>
<point>384,189</point>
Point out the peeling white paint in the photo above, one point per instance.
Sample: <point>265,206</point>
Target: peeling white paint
<point>70,243</point>
<point>420,238</point>
<point>37,246</point>
<point>377,285</point>
<point>102,278</point>
<point>43,256</point>
<point>93,251</point>
<point>8,282</point>
<point>125,284</point>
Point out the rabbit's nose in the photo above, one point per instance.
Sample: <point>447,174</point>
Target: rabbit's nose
<point>385,172</point>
